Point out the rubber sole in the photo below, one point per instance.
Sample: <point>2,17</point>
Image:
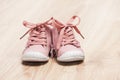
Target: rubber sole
<point>34,59</point>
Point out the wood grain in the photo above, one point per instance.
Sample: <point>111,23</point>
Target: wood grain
<point>100,24</point>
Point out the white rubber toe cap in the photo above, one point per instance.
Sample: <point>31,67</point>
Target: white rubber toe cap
<point>71,56</point>
<point>34,56</point>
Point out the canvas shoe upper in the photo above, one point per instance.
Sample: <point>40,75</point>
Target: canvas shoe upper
<point>68,48</point>
<point>39,41</point>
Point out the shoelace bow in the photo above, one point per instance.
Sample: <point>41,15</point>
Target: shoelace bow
<point>66,35</point>
<point>37,33</point>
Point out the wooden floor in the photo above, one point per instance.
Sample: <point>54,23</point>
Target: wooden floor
<point>100,24</point>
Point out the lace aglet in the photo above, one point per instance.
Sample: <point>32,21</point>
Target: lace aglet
<point>25,34</point>
<point>21,37</point>
<point>82,36</point>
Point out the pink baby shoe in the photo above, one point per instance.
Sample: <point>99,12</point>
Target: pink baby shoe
<point>67,47</point>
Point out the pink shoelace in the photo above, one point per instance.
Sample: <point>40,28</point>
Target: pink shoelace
<point>66,35</point>
<point>37,33</point>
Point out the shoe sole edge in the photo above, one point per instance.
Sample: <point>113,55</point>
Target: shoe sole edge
<point>70,59</point>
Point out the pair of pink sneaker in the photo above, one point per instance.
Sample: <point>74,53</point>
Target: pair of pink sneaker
<point>52,36</point>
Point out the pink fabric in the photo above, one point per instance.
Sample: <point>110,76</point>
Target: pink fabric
<point>66,35</point>
<point>37,33</point>
<point>39,37</point>
<point>67,48</point>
